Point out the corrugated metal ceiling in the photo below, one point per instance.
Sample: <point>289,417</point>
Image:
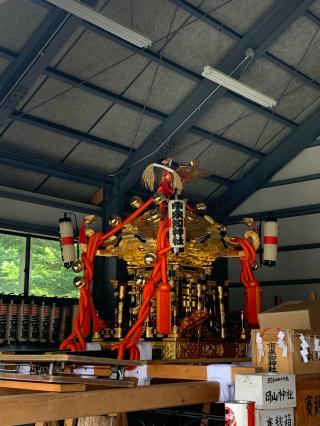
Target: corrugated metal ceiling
<point>192,43</point>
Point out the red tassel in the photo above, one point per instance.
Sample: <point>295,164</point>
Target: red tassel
<point>82,235</point>
<point>253,305</point>
<point>164,308</point>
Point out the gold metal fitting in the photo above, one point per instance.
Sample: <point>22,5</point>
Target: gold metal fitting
<point>155,216</point>
<point>201,207</point>
<point>136,202</point>
<point>89,219</point>
<point>77,266</point>
<point>222,228</point>
<point>158,198</point>
<point>114,221</point>
<point>191,216</point>
<point>254,266</point>
<point>150,258</point>
<point>140,280</point>
<point>78,282</point>
<point>249,221</point>
<point>210,219</point>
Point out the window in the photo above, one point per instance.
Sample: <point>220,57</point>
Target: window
<point>48,276</point>
<point>33,266</point>
<point>12,263</point>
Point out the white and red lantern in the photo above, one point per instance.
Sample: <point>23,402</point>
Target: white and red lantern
<point>270,241</point>
<point>67,241</point>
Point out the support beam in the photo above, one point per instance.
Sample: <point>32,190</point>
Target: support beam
<point>314,18</point>
<point>28,228</point>
<point>151,112</point>
<point>260,38</point>
<point>43,46</point>
<point>8,54</point>
<point>46,200</point>
<point>270,165</point>
<point>229,143</point>
<point>219,26</point>
<point>297,247</point>
<point>152,56</point>
<point>289,181</point>
<point>113,146</point>
<point>279,214</point>
<point>98,91</point>
<point>261,110</point>
<point>70,132</point>
<point>49,168</point>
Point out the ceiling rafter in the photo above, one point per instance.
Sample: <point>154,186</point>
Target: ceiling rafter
<point>107,94</point>
<point>259,175</point>
<point>279,213</point>
<point>45,200</point>
<point>271,114</point>
<point>260,38</point>
<point>91,139</point>
<point>151,112</point>
<point>289,181</point>
<point>39,51</point>
<point>75,81</point>
<point>70,132</point>
<point>50,168</point>
<point>314,18</point>
<point>208,19</point>
<point>161,60</point>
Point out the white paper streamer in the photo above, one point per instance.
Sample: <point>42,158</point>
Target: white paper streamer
<point>281,343</point>
<point>304,348</point>
<point>260,346</point>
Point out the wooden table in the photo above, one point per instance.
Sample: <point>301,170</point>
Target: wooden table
<point>43,407</point>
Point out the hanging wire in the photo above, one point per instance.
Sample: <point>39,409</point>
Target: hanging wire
<point>73,44</point>
<point>123,92</point>
<point>186,24</point>
<point>168,37</point>
<point>176,129</point>
<point>283,94</point>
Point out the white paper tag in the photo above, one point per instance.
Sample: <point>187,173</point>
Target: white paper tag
<point>302,338</point>
<point>304,349</point>
<point>316,347</point>
<point>260,346</point>
<point>281,344</point>
<point>304,354</point>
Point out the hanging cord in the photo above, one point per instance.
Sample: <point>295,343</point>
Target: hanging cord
<point>252,286</point>
<point>129,343</point>
<point>87,314</point>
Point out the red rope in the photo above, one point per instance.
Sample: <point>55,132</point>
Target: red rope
<point>87,315</point>
<point>129,343</point>
<point>253,290</point>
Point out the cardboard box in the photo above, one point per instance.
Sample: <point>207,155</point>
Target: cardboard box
<point>269,391</point>
<point>303,315</point>
<point>283,416</point>
<point>272,358</point>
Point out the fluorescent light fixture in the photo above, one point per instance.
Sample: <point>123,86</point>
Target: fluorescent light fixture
<point>238,87</point>
<point>93,17</point>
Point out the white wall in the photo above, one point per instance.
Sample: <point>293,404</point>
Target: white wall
<point>30,213</point>
<point>292,265</point>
